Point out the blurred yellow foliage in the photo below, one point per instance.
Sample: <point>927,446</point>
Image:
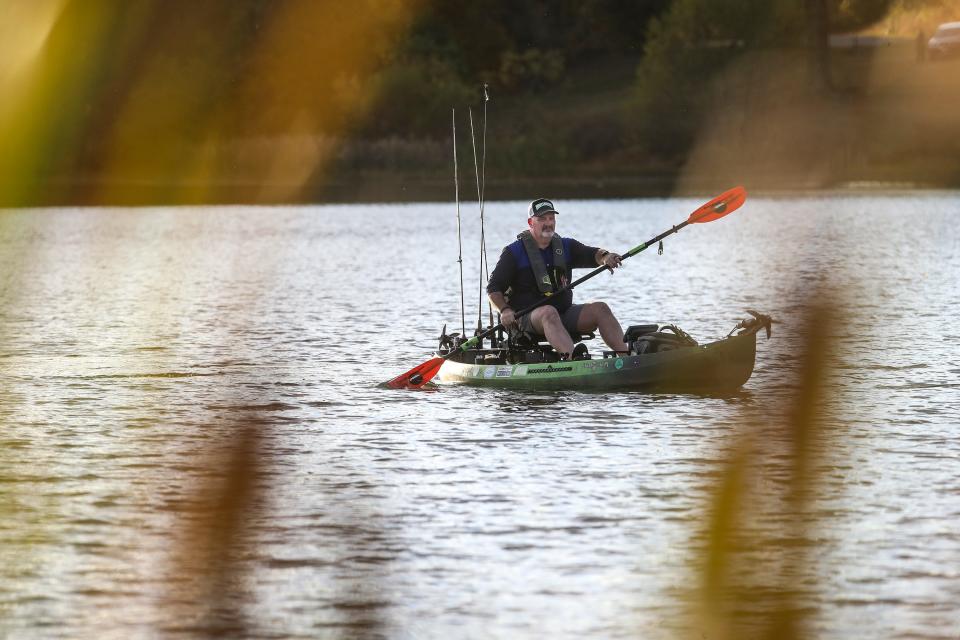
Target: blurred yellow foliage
<point>167,101</point>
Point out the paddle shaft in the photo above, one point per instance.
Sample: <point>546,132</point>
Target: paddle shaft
<point>539,303</point>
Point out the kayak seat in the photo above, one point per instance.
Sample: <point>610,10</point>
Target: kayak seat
<point>533,348</point>
<point>527,339</point>
<point>576,337</point>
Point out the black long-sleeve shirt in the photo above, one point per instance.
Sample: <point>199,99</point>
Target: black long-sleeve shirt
<point>513,271</point>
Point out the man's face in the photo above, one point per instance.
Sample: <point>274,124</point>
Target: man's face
<point>543,227</point>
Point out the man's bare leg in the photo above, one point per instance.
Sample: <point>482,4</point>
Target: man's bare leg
<point>597,315</point>
<point>546,320</point>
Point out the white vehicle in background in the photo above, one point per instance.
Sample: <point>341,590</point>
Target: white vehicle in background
<point>945,43</point>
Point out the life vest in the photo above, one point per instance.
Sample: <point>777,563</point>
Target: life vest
<point>548,283</point>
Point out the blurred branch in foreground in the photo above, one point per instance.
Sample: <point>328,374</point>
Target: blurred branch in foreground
<point>222,550</point>
<point>209,567</point>
<point>759,562</point>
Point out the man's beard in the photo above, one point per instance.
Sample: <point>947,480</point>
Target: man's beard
<point>547,234</point>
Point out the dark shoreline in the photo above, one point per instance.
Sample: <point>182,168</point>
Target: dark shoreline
<point>401,188</point>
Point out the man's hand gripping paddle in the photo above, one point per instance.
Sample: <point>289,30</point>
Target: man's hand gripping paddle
<point>725,203</point>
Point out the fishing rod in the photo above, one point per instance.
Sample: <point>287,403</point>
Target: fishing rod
<point>484,262</point>
<point>456,191</point>
<point>726,203</point>
<point>476,168</point>
<point>483,185</point>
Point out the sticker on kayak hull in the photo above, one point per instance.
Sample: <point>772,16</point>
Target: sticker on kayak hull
<point>619,363</point>
<point>595,365</point>
<point>504,372</point>
<point>549,369</point>
<point>489,372</point>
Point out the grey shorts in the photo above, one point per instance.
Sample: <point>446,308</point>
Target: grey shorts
<point>569,318</point>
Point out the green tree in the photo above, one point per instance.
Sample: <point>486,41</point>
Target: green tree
<point>694,40</point>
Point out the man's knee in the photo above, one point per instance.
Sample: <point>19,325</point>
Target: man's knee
<point>547,315</point>
<point>600,309</point>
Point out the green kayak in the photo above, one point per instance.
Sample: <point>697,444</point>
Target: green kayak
<point>662,358</point>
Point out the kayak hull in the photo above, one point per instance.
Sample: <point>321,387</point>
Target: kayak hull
<point>724,365</point>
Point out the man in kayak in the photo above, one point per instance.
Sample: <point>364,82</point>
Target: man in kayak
<point>536,265</point>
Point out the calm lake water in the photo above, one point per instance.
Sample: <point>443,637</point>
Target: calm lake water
<point>137,344</point>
